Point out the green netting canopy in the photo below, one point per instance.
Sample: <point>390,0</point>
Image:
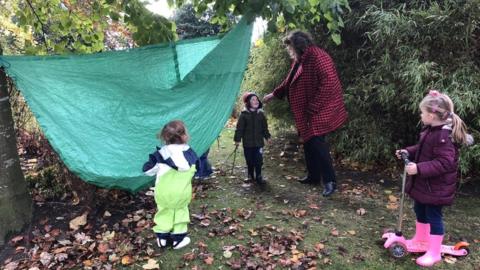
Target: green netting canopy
<point>101,112</point>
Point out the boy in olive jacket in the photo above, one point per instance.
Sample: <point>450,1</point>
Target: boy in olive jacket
<point>252,129</point>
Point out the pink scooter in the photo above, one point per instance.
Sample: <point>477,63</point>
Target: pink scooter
<point>396,242</point>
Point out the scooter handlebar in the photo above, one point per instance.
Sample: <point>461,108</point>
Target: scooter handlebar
<point>404,156</point>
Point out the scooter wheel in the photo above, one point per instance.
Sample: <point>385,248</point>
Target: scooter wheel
<point>398,250</point>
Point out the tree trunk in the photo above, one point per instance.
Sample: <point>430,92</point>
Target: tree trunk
<point>15,201</point>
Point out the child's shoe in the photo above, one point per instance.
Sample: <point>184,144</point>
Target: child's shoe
<point>260,180</point>
<point>180,240</point>
<point>162,239</point>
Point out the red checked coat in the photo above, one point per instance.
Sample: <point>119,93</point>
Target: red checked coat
<point>315,94</point>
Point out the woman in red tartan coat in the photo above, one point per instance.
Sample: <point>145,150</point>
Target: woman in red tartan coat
<point>315,95</point>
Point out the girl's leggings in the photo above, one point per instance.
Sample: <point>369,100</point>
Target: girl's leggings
<point>432,214</point>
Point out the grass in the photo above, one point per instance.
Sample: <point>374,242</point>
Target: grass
<point>235,225</point>
<point>343,238</point>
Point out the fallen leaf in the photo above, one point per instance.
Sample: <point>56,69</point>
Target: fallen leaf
<point>107,236</point>
<point>87,263</point>
<point>202,245</point>
<point>361,211</point>
<point>151,264</point>
<point>127,260</point>
<point>205,222</point>
<point>60,250</point>
<point>103,247</point>
<point>208,260</point>
<point>78,221</point>
<point>334,232</point>
<point>11,266</point>
<point>113,257</point>
<point>319,246</point>
<point>227,254</point>
<point>244,213</point>
<point>107,214</point>
<point>314,206</point>
<point>189,256</point>
<point>352,232</point>
<point>450,260</point>
<point>61,257</point>
<point>65,242</point>
<point>392,206</point>
<point>392,198</point>
<point>45,258</point>
<point>75,199</point>
<point>16,239</point>
<point>299,213</point>
<point>228,248</point>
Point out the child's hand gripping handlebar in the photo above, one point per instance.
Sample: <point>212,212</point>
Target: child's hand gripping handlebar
<point>404,156</point>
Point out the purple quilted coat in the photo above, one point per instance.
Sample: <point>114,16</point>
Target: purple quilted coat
<point>437,162</point>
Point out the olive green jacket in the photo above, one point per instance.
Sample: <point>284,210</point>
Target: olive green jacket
<point>252,129</point>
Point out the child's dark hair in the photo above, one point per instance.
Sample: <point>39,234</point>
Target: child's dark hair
<point>173,132</point>
<point>247,97</point>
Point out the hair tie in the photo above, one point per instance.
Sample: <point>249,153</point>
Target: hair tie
<point>434,93</point>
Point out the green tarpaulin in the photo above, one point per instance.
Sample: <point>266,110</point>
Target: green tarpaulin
<point>101,112</point>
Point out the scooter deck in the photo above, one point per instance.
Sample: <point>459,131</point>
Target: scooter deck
<point>422,247</point>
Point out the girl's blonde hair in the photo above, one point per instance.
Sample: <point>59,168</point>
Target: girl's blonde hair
<point>442,106</point>
<point>173,132</point>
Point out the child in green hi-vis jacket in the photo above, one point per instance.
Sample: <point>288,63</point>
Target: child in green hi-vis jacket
<point>174,167</point>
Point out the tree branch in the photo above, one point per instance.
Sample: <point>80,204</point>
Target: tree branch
<point>42,25</point>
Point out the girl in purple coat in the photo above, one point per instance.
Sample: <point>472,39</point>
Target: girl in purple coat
<point>433,172</point>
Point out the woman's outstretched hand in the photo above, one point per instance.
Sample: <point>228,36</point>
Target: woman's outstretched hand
<point>268,97</point>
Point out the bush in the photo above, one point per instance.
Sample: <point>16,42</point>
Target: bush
<point>390,56</point>
<point>266,69</point>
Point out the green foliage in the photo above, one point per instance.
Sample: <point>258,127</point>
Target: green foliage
<point>47,182</point>
<point>149,28</point>
<point>12,37</point>
<point>266,69</point>
<point>281,15</point>
<point>189,25</point>
<point>391,55</point>
<point>407,51</point>
<point>60,27</point>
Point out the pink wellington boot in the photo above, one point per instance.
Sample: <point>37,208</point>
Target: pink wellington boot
<point>433,254</point>
<point>419,242</point>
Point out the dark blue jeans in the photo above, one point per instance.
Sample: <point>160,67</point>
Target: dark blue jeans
<point>318,160</point>
<point>432,214</point>
<point>204,169</point>
<point>254,159</point>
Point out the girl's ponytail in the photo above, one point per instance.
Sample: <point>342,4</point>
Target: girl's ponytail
<point>459,130</point>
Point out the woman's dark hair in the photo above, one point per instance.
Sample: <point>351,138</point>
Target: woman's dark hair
<point>299,41</point>
<point>173,132</point>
